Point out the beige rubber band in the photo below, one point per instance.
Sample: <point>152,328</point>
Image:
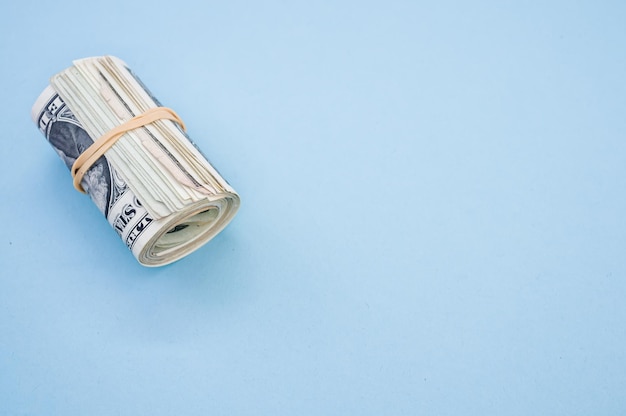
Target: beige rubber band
<point>104,143</point>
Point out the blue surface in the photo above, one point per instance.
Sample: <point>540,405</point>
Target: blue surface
<point>432,222</point>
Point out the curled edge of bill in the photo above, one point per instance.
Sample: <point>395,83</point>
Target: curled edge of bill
<point>158,242</point>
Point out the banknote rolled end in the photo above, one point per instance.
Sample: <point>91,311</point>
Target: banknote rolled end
<point>187,231</point>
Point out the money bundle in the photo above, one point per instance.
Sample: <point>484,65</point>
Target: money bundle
<point>133,158</point>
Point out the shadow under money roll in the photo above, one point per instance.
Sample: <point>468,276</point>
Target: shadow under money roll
<point>156,189</point>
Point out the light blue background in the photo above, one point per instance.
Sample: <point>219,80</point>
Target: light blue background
<point>432,221</point>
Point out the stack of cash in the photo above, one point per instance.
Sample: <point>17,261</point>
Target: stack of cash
<point>154,186</point>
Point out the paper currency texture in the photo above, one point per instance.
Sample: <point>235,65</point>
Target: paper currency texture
<point>156,189</point>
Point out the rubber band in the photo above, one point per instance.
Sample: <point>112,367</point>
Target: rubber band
<point>104,143</point>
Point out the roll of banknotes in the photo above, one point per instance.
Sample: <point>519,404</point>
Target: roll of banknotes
<point>133,158</point>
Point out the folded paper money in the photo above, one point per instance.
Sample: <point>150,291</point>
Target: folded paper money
<point>134,159</point>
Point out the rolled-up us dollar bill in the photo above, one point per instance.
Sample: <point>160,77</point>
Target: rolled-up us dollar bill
<point>133,158</point>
